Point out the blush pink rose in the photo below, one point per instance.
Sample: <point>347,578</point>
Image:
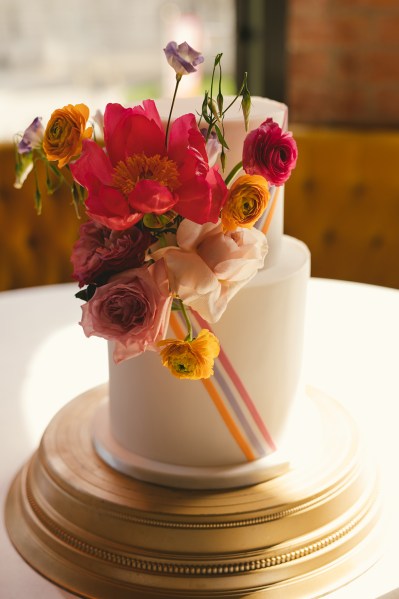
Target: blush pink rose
<point>208,267</point>
<point>270,152</point>
<point>100,252</point>
<point>132,310</point>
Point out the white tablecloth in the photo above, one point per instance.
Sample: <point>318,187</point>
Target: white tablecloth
<point>351,353</point>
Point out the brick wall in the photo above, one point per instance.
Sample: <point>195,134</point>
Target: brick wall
<point>343,62</point>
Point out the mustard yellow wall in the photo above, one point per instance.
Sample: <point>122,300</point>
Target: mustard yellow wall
<point>34,250</point>
<point>342,200</point>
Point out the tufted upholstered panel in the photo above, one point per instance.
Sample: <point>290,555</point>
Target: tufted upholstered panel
<point>34,250</point>
<point>342,200</point>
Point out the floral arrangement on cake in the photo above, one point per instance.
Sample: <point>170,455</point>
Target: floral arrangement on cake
<point>165,230</point>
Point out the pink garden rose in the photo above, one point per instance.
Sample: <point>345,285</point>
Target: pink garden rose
<point>208,267</point>
<point>269,152</point>
<point>132,310</point>
<point>137,174</point>
<point>100,252</point>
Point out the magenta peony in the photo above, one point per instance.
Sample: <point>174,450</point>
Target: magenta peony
<point>100,252</point>
<point>269,152</point>
<point>137,174</point>
<point>132,310</point>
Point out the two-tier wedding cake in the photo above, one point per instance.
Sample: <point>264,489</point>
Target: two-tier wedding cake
<point>228,430</point>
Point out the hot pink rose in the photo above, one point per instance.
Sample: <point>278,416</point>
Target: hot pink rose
<point>269,152</point>
<point>100,252</point>
<point>132,309</point>
<point>208,267</point>
<point>138,174</point>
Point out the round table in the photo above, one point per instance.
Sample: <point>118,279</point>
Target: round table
<point>351,353</point>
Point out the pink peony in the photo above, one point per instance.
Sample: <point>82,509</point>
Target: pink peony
<point>132,310</point>
<point>269,152</point>
<point>208,267</point>
<point>100,252</point>
<point>137,174</point>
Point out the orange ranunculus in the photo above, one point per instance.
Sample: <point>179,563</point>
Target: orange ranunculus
<point>246,202</point>
<point>191,359</point>
<point>65,132</point>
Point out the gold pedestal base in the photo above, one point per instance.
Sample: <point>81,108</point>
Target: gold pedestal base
<point>101,534</point>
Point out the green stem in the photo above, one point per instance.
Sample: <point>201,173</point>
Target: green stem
<point>233,172</point>
<point>162,240</point>
<point>236,98</point>
<point>178,78</point>
<point>38,195</point>
<point>210,126</point>
<point>212,78</point>
<point>75,198</point>
<point>232,102</point>
<point>189,336</point>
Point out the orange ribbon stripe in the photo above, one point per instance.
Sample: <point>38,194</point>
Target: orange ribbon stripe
<point>217,400</point>
<point>269,217</point>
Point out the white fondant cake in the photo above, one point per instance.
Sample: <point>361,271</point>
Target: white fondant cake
<point>227,430</point>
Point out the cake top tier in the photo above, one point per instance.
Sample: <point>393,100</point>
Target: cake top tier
<point>261,109</point>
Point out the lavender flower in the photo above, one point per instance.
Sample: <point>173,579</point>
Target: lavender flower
<point>32,137</point>
<point>213,146</point>
<point>182,58</point>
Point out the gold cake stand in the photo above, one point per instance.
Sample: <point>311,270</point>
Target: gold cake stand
<point>99,533</point>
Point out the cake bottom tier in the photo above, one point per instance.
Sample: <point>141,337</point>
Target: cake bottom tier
<point>98,533</point>
<point>228,430</point>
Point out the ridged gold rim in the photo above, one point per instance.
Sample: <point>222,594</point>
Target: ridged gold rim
<point>194,569</point>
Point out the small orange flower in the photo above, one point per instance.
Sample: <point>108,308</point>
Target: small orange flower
<point>191,359</point>
<point>65,132</point>
<point>246,202</point>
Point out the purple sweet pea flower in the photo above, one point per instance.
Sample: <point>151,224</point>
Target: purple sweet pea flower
<point>182,58</point>
<point>32,138</point>
<point>213,146</point>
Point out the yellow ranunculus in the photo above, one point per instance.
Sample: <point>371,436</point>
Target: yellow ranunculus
<point>65,132</point>
<point>191,359</point>
<point>246,202</point>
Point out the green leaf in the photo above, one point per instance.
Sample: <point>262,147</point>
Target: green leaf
<point>86,294</point>
<point>221,138</point>
<point>158,221</point>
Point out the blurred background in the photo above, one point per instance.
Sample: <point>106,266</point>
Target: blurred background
<point>335,63</point>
